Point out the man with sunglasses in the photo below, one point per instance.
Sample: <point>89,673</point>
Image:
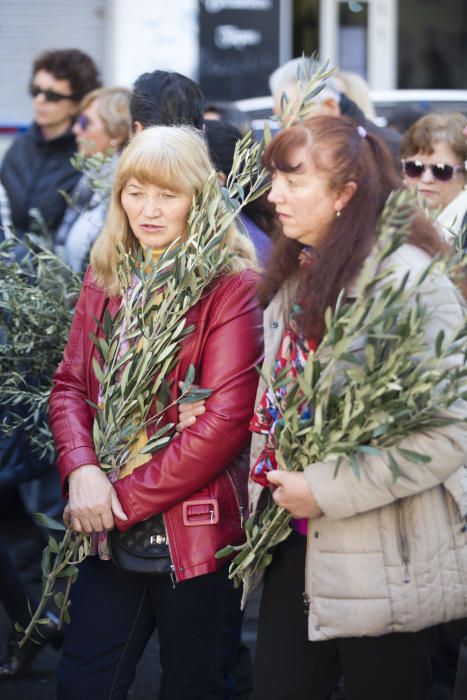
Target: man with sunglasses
<point>434,161</point>
<point>37,165</point>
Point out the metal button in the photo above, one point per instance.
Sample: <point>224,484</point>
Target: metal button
<point>274,324</point>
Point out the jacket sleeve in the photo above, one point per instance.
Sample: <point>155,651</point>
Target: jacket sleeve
<point>232,349</point>
<point>70,416</point>
<point>346,495</point>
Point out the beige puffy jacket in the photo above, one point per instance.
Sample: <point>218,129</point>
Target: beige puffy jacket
<point>387,557</point>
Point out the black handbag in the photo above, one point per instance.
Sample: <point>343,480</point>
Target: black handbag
<point>143,549</point>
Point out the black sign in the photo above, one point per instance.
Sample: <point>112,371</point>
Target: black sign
<point>239,47</point>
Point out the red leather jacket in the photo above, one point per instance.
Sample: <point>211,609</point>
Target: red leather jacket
<point>199,481</point>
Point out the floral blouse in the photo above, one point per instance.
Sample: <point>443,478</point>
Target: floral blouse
<point>293,352</point>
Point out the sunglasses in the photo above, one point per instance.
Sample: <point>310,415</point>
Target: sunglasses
<point>83,121</point>
<point>440,171</point>
<point>50,95</point>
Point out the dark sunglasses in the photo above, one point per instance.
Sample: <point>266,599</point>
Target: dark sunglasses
<point>83,121</point>
<point>440,171</point>
<point>50,95</point>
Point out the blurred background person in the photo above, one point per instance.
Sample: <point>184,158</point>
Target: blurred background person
<point>101,128</point>
<point>228,112</point>
<point>403,117</point>
<point>434,156</point>
<point>35,168</point>
<point>329,101</point>
<point>356,88</point>
<point>166,98</point>
<point>37,165</point>
<point>258,218</point>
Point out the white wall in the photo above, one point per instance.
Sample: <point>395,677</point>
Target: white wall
<point>145,35</point>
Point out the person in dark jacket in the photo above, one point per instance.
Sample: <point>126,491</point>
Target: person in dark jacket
<point>329,101</point>
<point>258,217</point>
<point>195,608</point>
<point>37,165</point>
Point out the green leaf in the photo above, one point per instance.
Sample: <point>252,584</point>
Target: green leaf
<point>394,466</point>
<point>189,378</point>
<point>369,450</point>
<point>414,457</point>
<point>355,466</point>
<point>225,552</point>
<point>439,343</point>
<point>49,523</point>
<point>53,545</point>
<point>68,571</point>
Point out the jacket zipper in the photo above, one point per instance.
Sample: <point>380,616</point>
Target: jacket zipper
<point>172,574</point>
<point>306,597</point>
<point>403,542</point>
<point>237,498</point>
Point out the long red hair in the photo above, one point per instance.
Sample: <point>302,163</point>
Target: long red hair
<point>345,154</point>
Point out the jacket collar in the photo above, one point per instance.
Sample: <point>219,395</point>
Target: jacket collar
<point>65,139</point>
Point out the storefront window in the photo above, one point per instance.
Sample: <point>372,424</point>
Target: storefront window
<point>305,27</point>
<point>353,37</point>
<point>432,44</point>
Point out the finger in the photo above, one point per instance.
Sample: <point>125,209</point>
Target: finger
<point>87,526</point>
<point>96,524</point>
<point>66,517</point>
<point>75,524</point>
<point>185,423</point>
<point>108,520</point>
<point>195,408</point>
<point>277,496</point>
<point>275,477</point>
<point>117,509</point>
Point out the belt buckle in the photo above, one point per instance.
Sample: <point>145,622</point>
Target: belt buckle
<point>202,511</point>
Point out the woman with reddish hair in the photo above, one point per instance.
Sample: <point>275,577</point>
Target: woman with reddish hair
<point>356,588</point>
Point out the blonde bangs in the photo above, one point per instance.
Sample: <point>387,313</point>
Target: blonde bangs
<point>177,160</point>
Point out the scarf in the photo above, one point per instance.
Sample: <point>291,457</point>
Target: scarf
<point>99,543</point>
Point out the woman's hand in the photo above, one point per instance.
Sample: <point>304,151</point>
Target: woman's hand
<point>292,493</point>
<point>93,501</point>
<point>188,413</point>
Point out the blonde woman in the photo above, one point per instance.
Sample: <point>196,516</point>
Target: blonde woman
<point>196,609</point>
<point>102,129</point>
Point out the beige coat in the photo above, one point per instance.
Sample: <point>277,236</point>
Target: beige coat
<point>387,557</point>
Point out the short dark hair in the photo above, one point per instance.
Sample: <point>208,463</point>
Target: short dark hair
<point>228,112</point>
<point>72,65</point>
<point>165,98</point>
<point>222,139</point>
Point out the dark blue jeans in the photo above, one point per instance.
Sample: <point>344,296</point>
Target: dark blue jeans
<point>114,614</point>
